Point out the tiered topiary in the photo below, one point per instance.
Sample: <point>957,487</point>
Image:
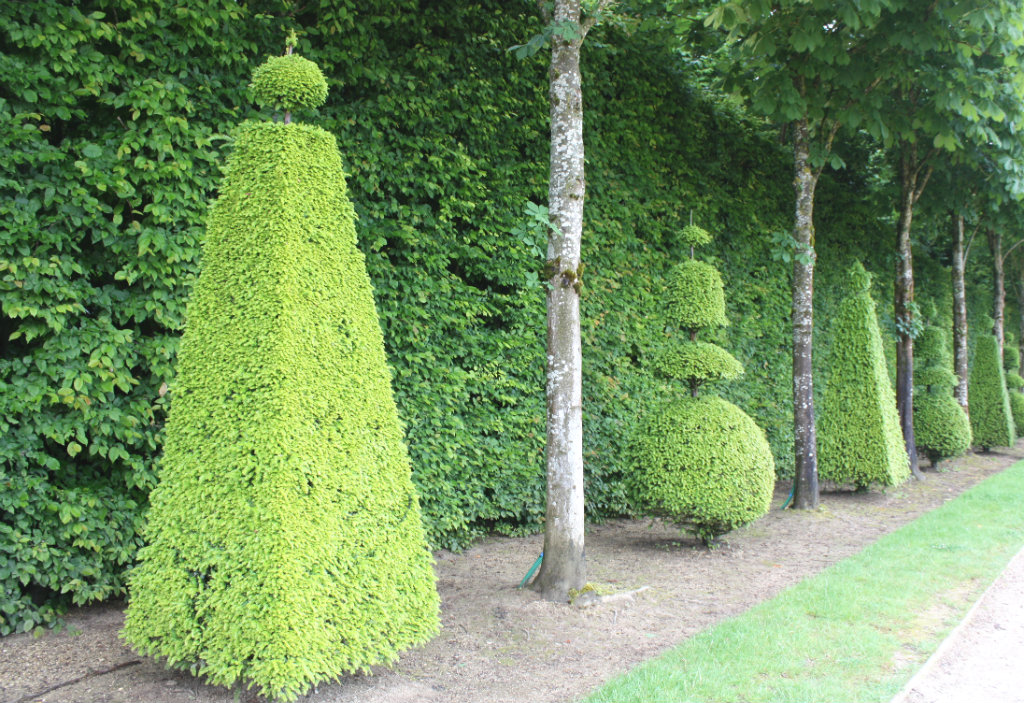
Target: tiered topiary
<point>941,427</point>
<point>991,415</point>
<point>859,436</point>
<point>1014,382</point>
<point>285,544</point>
<point>700,460</point>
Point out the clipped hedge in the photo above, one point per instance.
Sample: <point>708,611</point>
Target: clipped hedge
<point>941,427</point>
<point>859,437</point>
<point>284,542</point>
<point>991,414</point>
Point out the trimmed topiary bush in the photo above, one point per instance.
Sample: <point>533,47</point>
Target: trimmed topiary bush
<point>700,461</point>
<point>1014,382</point>
<point>991,414</point>
<point>941,427</point>
<point>284,543</point>
<point>859,436</point>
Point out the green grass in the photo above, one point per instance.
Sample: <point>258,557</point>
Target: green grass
<point>858,630</point>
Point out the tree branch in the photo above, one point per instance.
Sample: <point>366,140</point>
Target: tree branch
<point>967,250</point>
<point>588,24</point>
<point>1007,252</point>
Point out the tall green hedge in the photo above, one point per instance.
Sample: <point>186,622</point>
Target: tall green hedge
<point>859,437</point>
<point>113,124</point>
<point>991,415</point>
<point>284,542</point>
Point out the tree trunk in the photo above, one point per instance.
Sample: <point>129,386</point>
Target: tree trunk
<point>564,566</point>
<point>995,244</point>
<point>960,313</point>
<point>904,298</point>
<point>805,446</point>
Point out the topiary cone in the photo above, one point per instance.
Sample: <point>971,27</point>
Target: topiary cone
<point>991,414</point>
<point>859,439</point>
<point>284,544</point>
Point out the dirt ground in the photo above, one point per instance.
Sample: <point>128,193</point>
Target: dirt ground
<point>502,644</point>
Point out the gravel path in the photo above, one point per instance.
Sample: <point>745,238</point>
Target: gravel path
<point>982,660</point>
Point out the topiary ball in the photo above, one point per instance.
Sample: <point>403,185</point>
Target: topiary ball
<point>695,297</point>
<point>1014,381</point>
<point>935,377</point>
<point>288,82</point>
<point>695,236</point>
<point>941,427</point>
<point>704,464</point>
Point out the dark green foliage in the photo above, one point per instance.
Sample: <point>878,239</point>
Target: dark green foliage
<point>1011,356</point>
<point>941,427</point>
<point>859,437</point>
<point>694,297</point>
<point>1014,382</point>
<point>706,465</point>
<point>284,542</point>
<point>702,462</point>
<point>111,123</point>
<point>288,83</point>
<point>991,414</point>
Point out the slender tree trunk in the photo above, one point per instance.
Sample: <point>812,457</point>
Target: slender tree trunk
<point>960,313</point>
<point>995,244</point>
<point>805,446</point>
<point>564,566</point>
<point>904,298</point>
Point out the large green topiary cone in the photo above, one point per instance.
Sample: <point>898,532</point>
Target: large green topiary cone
<point>991,414</point>
<point>285,544</point>
<point>859,437</point>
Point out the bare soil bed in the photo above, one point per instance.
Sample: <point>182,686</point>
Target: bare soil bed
<point>499,643</point>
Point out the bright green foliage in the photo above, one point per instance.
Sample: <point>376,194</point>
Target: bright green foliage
<point>288,83</point>
<point>1011,355</point>
<point>683,361</point>
<point>695,297</point>
<point>859,437</point>
<point>112,124</point>
<point>694,236</point>
<point>702,462</point>
<point>284,542</point>
<point>941,427</point>
<point>1014,381</point>
<point>705,464</point>
<point>991,414</point>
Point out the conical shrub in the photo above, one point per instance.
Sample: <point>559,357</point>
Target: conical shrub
<point>859,436</point>
<point>941,427</point>
<point>284,543</point>
<point>700,461</point>
<point>991,415</point>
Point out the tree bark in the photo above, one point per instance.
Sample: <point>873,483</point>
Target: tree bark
<point>960,313</point>
<point>564,565</point>
<point>995,244</point>
<point>805,446</point>
<point>904,299</point>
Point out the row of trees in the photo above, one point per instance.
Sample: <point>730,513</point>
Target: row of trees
<point>936,85</point>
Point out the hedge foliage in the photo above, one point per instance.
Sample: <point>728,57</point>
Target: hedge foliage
<point>284,544</point>
<point>991,414</point>
<point>941,427</point>
<point>114,127</point>
<point>859,437</point>
<point>701,462</point>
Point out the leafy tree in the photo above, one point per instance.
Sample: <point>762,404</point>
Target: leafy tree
<point>285,544</point>
<point>700,460</point>
<point>860,435</point>
<point>803,65</point>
